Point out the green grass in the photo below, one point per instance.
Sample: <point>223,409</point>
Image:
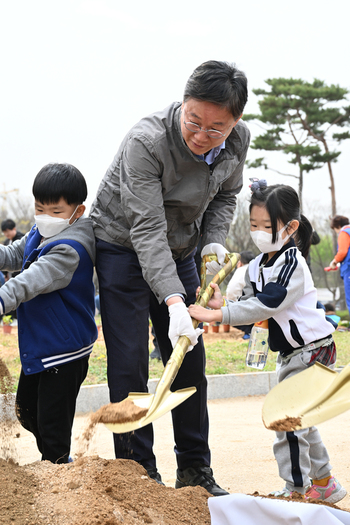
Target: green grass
<point>223,357</point>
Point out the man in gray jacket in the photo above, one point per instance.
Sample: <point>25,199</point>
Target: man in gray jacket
<point>173,181</point>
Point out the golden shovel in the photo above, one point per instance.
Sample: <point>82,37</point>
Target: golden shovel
<point>307,398</point>
<point>163,399</point>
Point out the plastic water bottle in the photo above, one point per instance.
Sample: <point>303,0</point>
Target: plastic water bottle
<point>258,346</point>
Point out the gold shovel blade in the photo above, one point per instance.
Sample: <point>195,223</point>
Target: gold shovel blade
<point>170,400</point>
<point>312,396</point>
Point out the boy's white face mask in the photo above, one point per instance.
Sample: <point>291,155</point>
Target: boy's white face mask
<point>263,240</point>
<point>49,226</point>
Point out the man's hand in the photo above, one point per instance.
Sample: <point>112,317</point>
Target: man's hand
<point>220,251</point>
<point>181,324</point>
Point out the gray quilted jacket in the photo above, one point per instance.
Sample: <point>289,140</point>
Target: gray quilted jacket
<point>157,197</point>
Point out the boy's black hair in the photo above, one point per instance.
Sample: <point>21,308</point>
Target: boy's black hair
<point>59,180</point>
<point>282,204</point>
<point>8,224</point>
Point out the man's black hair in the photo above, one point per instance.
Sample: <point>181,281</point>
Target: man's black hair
<point>8,224</point>
<point>59,180</point>
<point>220,83</point>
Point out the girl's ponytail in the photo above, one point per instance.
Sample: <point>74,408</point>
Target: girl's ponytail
<point>303,235</point>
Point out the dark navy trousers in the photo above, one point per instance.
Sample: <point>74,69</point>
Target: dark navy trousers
<point>126,305</point>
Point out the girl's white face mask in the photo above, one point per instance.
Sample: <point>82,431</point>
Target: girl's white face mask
<point>49,226</point>
<point>263,240</point>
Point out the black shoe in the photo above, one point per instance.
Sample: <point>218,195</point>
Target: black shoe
<point>201,475</point>
<point>154,474</point>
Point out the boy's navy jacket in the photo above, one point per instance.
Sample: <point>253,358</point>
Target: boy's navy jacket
<point>54,295</point>
<point>282,291</point>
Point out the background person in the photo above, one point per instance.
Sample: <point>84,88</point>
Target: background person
<point>340,224</point>
<point>8,228</point>
<point>175,178</point>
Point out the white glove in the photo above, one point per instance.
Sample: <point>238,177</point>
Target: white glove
<point>220,251</point>
<point>181,324</point>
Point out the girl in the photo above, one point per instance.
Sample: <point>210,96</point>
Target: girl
<point>279,288</point>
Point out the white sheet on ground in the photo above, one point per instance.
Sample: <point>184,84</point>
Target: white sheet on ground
<point>241,509</point>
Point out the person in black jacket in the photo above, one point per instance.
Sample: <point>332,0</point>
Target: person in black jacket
<point>8,228</point>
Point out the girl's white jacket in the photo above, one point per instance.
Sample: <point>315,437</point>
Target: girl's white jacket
<point>282,291</point>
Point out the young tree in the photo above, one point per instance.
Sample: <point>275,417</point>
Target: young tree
<point>302,119</point>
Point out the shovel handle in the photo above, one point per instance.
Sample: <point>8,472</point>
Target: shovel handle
<point>178,354</point>
<point>206,292</point>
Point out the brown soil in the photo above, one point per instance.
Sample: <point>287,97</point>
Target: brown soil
<point>125,411</point>
<point>285,425</point>
<point>91,490</point>
<point>97,491</point>
<point>296,496</point>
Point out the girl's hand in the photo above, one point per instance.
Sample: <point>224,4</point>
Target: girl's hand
<point>202,314</point>
<point>217,300</point>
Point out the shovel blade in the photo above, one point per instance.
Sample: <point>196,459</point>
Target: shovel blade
<point>169,401</point>
<point>297,396</point>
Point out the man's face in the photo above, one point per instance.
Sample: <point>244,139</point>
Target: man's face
<point>9,234</point>
<point>208,116</point>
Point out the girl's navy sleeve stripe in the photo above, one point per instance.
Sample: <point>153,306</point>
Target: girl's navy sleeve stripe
<point>272,295</point>
<point>2,306</point>
<point>288,268</point>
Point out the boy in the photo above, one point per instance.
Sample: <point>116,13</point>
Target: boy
<point>54,294</point>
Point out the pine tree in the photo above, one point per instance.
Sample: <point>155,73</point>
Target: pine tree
<point>303,120</point>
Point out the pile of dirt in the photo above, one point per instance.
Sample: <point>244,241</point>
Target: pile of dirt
<point>91,490</point>
<point>95,491</point>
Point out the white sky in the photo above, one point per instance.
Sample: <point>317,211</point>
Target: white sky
<point>77,74</point>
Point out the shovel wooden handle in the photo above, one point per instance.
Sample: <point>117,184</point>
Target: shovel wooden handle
<point>178,354</point>
<point>163,399</point>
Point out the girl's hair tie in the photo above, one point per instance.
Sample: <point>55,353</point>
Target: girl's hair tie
<point>257,184</point>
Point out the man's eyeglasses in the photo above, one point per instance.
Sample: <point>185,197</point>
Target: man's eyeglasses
<point>213,133</point>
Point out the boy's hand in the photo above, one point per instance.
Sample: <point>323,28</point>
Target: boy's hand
<point>202,314</point>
